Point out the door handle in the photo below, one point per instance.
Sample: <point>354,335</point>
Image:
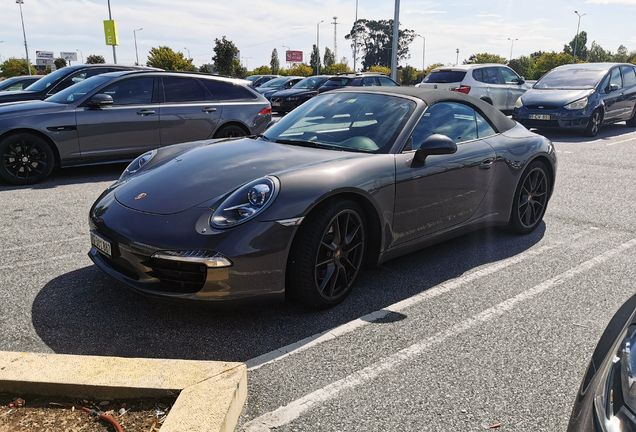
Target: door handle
<point>208,109</point>
<point>486,164</point>
<point>145,112</point>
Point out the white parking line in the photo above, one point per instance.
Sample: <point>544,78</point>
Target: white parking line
<point>623,141</point>
<point>327,335</point>
<point>295,409</point>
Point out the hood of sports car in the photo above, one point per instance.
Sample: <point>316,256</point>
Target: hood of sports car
<point>553,97</point>
<point>208,171</point>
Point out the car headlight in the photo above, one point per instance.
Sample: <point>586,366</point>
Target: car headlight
<point>245,203</point>
<point>577,105</point>
<point>133,167</point>
<point>518,104</point>
<point>293,98</point>
<point>615,401</point>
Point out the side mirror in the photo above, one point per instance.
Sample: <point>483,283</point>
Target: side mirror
<point>435,144</point>
<point>612,88</point>
<point>100,100</point>
<point>521,80</point>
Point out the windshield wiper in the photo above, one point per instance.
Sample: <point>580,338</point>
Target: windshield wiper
<point>302,143</point>
<point>264,137</point>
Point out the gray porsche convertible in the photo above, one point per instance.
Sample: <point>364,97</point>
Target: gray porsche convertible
<point>352,177</point>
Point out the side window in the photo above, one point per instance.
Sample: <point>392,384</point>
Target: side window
<point>225,91</point>
<point>629,76</point>
<point>455,120</point>
<point>131,91</point>
<point>384,81</point>
<point>509,76</point>
<point>483,127</point>
<point>178,89</point>
<point>369,81</point>
<point>478,75</point>
<point>604,84</point>
<point>492,76</point>
<point>78,76</point>
<point>616,77</point>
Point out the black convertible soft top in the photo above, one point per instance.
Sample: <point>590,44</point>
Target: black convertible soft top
<point>500,122</point>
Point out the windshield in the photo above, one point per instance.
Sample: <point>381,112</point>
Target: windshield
<point>359,122</point>
<point>48,80</point>
<point>275,82</point>
<point>445,76</point>
<point>571,79</point>
<point>79,90</point>
<point>253,77</point>
<point>309,83</point>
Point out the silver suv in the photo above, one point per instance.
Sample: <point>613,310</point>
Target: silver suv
<point>494,83</point>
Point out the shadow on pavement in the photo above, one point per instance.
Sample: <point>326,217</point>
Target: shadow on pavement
<point>75,175</point>
<point>85,312</point>
<point>606,132</point>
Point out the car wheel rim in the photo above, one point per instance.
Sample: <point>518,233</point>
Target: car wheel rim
<point>24,159</point>
<point>596,120</point>
<point>533,197</point>
<point>339,255</point>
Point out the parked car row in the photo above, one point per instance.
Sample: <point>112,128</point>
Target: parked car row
<point>18,83</point>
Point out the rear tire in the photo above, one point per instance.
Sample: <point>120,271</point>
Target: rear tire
<point>230,131</point>
<point>531,199</point>
<point>593,126</point>
<point>327,255</point>
<point>25,159</point>
<point>632,121</point>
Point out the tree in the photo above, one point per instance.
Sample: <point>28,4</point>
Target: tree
<point>300,70</point>
<point>598,54</point>
<point>381,69</point>
<point>165,58</point>
<point>14,67</point>
<point>59,62</point>
<point>337,68</point>
<point>329,58</point>
<point>205,69</point>
<point>524,66</point>
<point>263,70</point>
<point>95,59</point>
<point>581,48</point>
<point>224,55</point>
<point>420,76</point>
<point>274,63</point>
<point>314,60</point>
<point>409,75</point>
<point>549,61</point>
<point>621,55</point>
<point>239,70</point>
<point>375,42</point>
<point>485,58</point>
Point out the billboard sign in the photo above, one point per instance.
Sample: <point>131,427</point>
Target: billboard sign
<point>294,56</point>
<point>44,62</point>
<point>110,31</point>
<point>44,54</point>
<point>69,56</point>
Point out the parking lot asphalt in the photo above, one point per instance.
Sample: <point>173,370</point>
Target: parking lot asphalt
<point>488,328</point>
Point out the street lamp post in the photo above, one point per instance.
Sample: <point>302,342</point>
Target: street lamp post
<point>423,53</point>
<point>288,49</point>
<point>457,61</point>
<point>81,55</point>
<point>576,40</point>
<point>246,64</point>
<point>512,42</point>
<point>396,32</point>
<point>110,17</point>
<point>187,51</point>
<point>318,45</point>
<point>355,38</point>
<point>135,37</point>
<point>26,48</point>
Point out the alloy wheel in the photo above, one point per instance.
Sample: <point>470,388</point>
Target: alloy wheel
<point>25,159</point>
<point>533,197</point>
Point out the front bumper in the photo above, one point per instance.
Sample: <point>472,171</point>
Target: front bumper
<point>283,105</point>
<point>257,251</point>
<point>560,118</point>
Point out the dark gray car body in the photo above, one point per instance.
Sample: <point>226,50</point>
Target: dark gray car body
<point>81,134</point>
<point>409,204</point>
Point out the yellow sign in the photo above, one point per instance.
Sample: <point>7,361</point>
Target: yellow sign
<point>110,30</point>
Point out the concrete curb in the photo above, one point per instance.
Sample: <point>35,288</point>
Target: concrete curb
<point>211,394</point>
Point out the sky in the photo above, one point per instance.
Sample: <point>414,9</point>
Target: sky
<point>258,27</point>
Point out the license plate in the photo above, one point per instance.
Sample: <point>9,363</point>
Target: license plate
<point>275,103</point>
<point>101,244</point>
<point>539,116</point>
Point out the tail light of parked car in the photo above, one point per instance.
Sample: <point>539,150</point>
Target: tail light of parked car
<point>264,111</point>
<point>462,89</point>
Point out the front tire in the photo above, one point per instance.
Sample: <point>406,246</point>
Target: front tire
<point>531,199</point>
<point>593,126</point>
<point>25,159</point>
<point>327,256</point>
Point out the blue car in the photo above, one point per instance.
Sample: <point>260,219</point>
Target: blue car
<point>580,97</point>
<point>278,84</point>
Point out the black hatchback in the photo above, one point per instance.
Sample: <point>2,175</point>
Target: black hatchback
<point>580,97</point>
<point>57,81</point>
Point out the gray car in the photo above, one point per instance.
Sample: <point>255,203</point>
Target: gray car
<point>116,116</point>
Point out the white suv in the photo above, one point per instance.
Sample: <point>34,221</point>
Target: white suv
<point>494,83</point>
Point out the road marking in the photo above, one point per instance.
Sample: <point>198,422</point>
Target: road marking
<point>40,261</point>
<point>295,409</point>
<point>343,329</point>
<point>619,142</point>
<point>43,243</point>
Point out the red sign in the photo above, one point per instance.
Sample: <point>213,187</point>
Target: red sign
<point>294,56</point>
